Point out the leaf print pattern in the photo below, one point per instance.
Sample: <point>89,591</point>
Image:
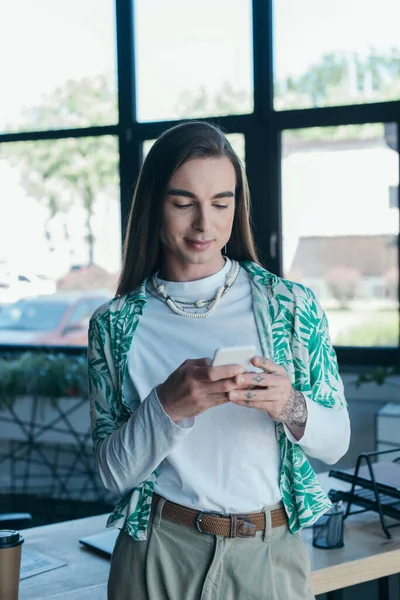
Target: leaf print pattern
<point>301,345</point>
<point>293,332</point>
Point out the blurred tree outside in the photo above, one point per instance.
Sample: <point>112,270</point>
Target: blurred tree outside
<point>340,78</point>
<point>225,101</point>
<point>343,282</point>
<point>63,173</point>
<point>336,79</point>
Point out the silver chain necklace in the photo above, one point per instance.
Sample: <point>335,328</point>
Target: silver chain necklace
<point>210,305</point>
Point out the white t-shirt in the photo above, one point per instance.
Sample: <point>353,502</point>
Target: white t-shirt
<point>228,450</point>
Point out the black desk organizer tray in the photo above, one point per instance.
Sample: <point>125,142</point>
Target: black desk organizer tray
<point>375,487</point>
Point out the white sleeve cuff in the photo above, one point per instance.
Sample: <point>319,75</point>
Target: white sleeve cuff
<point>168,424</point>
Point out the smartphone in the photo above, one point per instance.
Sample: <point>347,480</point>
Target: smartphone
<point>235,355</point>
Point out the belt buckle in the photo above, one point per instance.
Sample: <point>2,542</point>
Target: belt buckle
<point>203,512</point>
<point>242,526</point>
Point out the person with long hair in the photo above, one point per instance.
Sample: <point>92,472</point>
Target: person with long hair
<point>210,461</point>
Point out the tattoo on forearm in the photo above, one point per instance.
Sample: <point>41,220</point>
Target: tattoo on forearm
<point>295,410</point>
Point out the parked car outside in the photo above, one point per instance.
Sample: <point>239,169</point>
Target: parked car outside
<point>60,319</point>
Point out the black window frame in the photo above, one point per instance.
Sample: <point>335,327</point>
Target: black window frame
<point>262,130</point>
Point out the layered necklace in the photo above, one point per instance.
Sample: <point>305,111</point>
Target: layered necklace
<point>181,308</point>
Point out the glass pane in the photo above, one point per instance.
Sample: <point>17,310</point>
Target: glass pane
<point>60,70</point>
<point>60,245</point>
<point>193,59</point>
<point>326,54</point>
<point>236,140</point>
<point>340,226</point>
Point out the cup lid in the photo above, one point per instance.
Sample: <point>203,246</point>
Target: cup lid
<point>10,538</point>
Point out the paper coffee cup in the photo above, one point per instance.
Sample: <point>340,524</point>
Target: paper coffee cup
<point>10,563</point>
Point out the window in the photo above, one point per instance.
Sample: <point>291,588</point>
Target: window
<point>193,59</point>
<point>76,117</point>
<point>327,54</point>
<point>59,67</point>
<point>339,232</point>
<point>60,234</point>
<point>236,140</point>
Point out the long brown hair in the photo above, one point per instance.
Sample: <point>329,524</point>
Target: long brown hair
<point>142,254</point>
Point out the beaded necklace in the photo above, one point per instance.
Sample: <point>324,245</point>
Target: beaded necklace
<point>209,305</point>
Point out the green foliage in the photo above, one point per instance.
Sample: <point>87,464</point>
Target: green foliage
<point>48,375</point>
<point>336,133</point>
<point>86,102</point>
<point>317,82</point>
<point>343,79</point>
<point>336,79</point>
<point>225,101</point>
<point>381,329</point>
<point>379,375</point>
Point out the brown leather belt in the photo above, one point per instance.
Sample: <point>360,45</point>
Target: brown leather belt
<point>234,525</point>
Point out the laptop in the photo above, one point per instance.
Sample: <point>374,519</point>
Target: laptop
<point>102,543</point>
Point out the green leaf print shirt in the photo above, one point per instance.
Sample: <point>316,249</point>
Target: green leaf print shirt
<point>292,328</point>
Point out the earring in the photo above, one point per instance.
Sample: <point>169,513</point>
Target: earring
<point>225,249</point>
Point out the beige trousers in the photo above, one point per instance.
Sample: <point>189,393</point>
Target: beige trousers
<point>179,563</point>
